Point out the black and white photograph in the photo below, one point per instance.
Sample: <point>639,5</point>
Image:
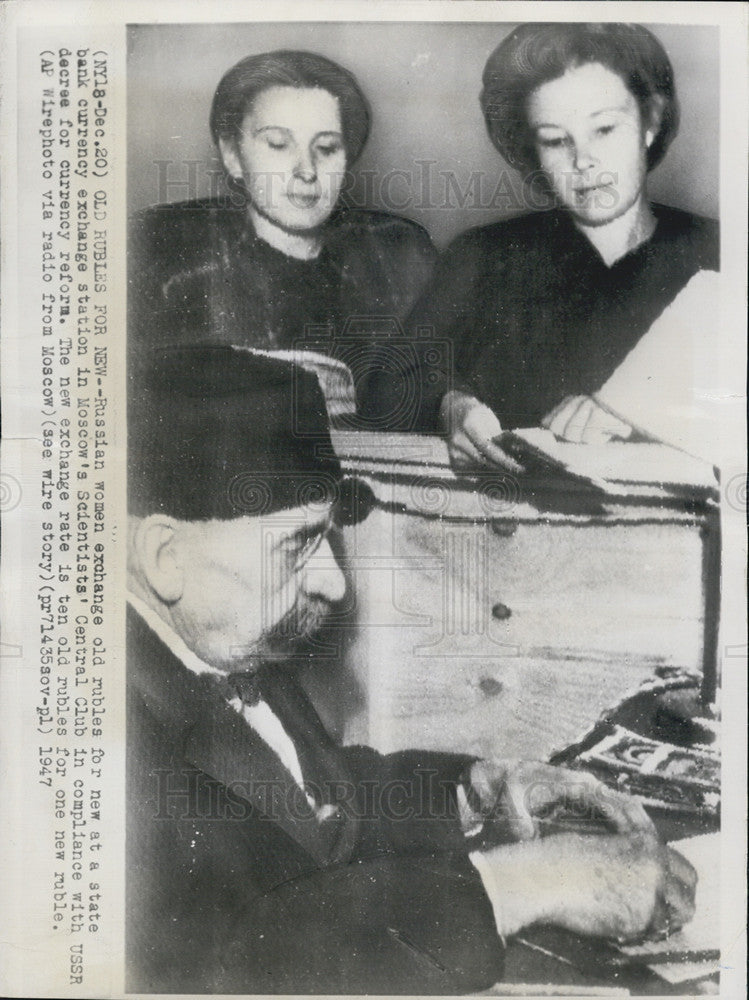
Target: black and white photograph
<point>374,471</point>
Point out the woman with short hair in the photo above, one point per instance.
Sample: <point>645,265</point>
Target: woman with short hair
<point>278,264</point>
<point>542,308</point>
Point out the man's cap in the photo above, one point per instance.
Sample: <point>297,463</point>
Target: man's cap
<point>220,432</point>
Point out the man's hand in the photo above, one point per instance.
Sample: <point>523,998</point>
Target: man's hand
<point>621,887</point>
<point>469,427</point>
<point>581,420</point>
<point>520,797</point>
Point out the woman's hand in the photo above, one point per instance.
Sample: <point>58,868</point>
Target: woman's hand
<point>524,798</point>
<point>582,420</point>
<point>469,427</point>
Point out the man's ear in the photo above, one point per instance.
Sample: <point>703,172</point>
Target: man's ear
<point>657,105</point>
<point>159,556</point>
<point>230,157</point>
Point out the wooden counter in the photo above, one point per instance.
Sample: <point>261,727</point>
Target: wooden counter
<point>489,622</point>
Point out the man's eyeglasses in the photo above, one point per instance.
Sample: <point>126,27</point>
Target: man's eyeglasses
<point>354,502</point>
<point>313,544</point>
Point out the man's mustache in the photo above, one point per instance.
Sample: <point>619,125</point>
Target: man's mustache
<point>301,621</point>
<point>287,638</point>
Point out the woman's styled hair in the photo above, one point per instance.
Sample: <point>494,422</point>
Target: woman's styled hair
<point>251,76</point>
<point>534,54</point>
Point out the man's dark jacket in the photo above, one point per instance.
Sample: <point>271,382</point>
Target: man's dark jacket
<point>236,886</point>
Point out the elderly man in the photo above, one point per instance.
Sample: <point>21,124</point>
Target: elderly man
<point>262,857</point>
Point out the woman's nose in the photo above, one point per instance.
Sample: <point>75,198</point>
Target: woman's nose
<point>306,167</point>
<point>322,576</point>
<point>583,157</point>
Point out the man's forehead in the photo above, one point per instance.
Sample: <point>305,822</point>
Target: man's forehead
<point>286,521</point>
<point>297,518</point>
